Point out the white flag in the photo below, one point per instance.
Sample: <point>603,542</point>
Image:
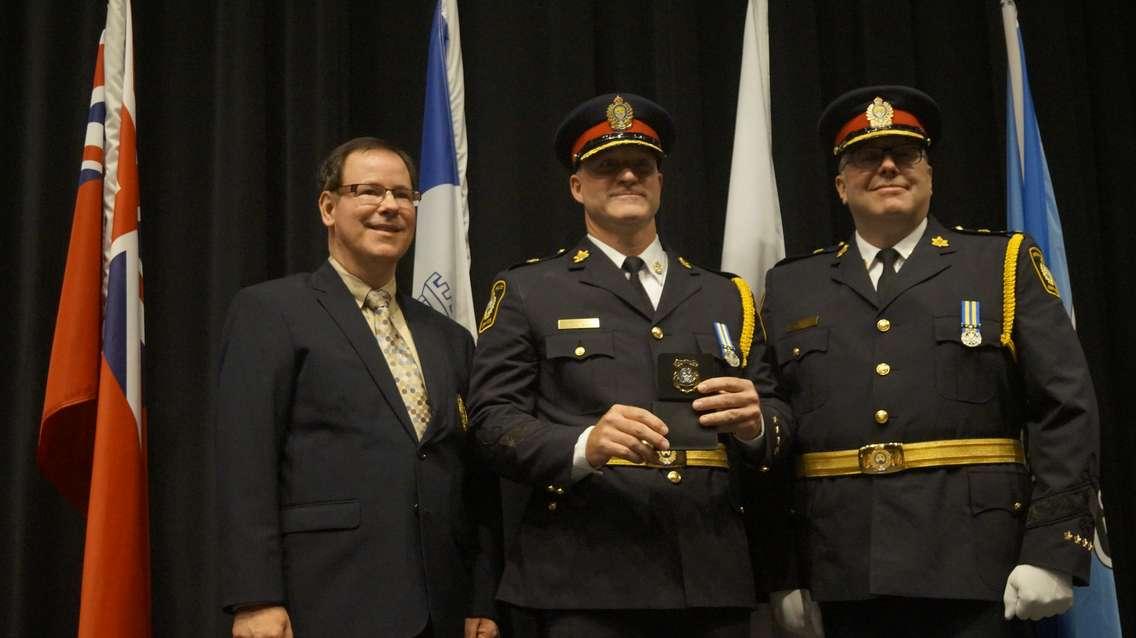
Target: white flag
<point>754,240</point>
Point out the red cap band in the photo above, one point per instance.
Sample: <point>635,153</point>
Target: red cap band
<point>604,128</point>
<point>861,122</point>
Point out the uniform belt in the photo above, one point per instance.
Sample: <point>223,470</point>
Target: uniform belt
<point>681,458</point>
<point>889,458</point>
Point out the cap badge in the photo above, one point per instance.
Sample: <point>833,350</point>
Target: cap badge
<point>939,242</point>
<point>580,255</point>
<point>880,113</point>
<point>620,114</point>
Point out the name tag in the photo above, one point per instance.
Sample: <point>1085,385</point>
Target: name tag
<point>803,322</point>
<point>576,324</point>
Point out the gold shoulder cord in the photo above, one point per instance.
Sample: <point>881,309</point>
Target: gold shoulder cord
<point>746,339</point>
<point>1009,303</point>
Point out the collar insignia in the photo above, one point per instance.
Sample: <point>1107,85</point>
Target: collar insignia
<point>580,255</point>
<point>843,249</point>
<point>684,262</point>
<point>620,114</point>
<point>938,242</point>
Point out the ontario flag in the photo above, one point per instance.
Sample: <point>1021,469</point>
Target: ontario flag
<point>92,437</point>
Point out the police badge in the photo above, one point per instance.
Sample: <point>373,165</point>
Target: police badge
<point>678,376</point>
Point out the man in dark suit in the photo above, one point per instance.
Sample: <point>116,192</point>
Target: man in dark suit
<point>946,428</point>
<point>617,380</point>
<point>349,505</point>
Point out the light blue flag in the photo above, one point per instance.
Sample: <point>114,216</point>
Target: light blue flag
<point>1031,207</point>
<point>441,253</point>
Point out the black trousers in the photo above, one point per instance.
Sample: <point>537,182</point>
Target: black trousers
<point>896,617</point>
<point>728,622</point>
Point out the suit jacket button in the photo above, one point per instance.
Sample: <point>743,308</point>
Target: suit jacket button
<point>883,369</point>
<point>415,508</point>
<point>422,455</point>
<point>674,476</point>
<point>657,332</point>
<point>883,325</point>
<point>579,351</point>
<point>882,416</point>
<point>552,506</point>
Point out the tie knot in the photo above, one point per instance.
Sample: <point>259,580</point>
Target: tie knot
<point>888,256</point>
<point>633,265</point>
<point>377,300</point>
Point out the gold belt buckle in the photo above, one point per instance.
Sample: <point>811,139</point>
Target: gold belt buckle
<point>670,458</point>
<point>881,458</point>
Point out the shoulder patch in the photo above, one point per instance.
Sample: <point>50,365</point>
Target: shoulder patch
<point>1043,273</point>
<point>496,294</point>
<point>983,231</point>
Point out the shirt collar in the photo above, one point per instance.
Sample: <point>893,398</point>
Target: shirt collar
<point>904,246</point>
<point>359,288</point>
<point>654,256</point>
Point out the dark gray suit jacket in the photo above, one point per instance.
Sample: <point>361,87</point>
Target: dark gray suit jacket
<point>329,504</point>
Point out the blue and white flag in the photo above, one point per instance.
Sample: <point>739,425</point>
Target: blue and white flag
<point>441,253</point>
<point>1031,207</point>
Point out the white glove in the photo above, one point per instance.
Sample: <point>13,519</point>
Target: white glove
<point>795,611</point>
<point>1033,593</point>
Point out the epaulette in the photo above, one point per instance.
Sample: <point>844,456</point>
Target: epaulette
<point>839,248</point>
<point>983,231</point>
<point>536,260</point>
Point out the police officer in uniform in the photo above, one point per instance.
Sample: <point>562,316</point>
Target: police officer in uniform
<point>946,427</point>
<point>624,534</point>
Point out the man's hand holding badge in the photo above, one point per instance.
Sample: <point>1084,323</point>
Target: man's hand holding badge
<point>730,403</point>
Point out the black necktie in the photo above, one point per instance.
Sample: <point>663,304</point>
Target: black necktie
<point>886,284</point>
<point>632,266</point>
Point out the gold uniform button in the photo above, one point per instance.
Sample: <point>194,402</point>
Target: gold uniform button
<point>656,332</point>
<point>796,352</point>
<point>552,506</point>
<point>1017,506</point>
<point>882,416</point>
<point>883,325</point>
<point>764,468</point>
<point>579,351</point>
<point>883,369</point>
<point>674,476</point>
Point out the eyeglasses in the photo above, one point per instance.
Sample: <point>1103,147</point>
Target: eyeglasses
<point>375,194</point>
<point>870,157</point>
<point>609,166</point>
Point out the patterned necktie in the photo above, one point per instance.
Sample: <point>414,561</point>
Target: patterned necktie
<point>632,266</point>
<point>886,284</point>
<point>407,376</point>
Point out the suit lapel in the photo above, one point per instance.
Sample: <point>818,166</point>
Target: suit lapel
<point>435,364</point>
<point>332,294</point>
<point>599,271</point>
<point>681,283</point>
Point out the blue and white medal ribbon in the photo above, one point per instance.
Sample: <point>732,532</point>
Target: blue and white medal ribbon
<point>971,323</point>
<point>726,344</point>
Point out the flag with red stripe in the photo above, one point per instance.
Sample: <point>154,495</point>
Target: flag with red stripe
<point>92,440</point>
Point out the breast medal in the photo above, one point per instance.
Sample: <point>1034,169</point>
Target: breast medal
<point>971,323</point>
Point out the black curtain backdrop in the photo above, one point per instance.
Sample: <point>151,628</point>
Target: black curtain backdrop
<point>239,100</point>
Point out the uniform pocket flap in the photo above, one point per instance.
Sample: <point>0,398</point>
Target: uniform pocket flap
<point>796,345</point>
<point>949,328</point>
<point>579,344</point>
<point>312,517</point>
<point>997,489</point>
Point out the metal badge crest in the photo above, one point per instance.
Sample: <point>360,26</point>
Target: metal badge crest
<point>971,323</point>
<point>686,375</point>
<point>880,113</point>
<point>620,114</point>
